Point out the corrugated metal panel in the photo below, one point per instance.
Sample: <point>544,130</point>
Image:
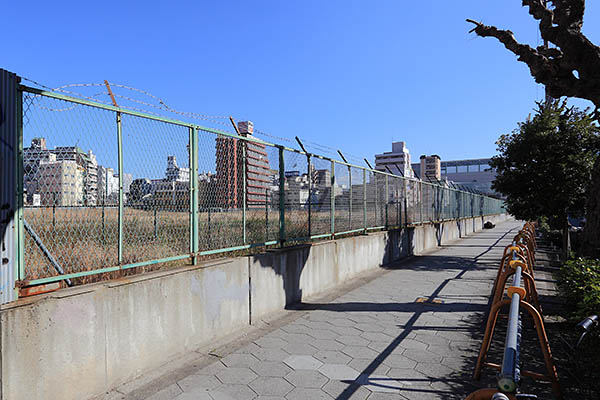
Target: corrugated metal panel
<point>8,184</point>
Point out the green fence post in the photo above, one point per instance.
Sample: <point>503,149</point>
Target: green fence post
<point>365,199</point>
<point>244,189</point>
<point>120,163</point>
<point>405,200</point>
<point>398,204</point>
<point>332,198</point>
<point>281,197</point>
<point>386,202</point>
<point>350,198</point>
<point>194,206</point>
<point>376,202</point>
<point>310,178</point>
<point>420,202</point>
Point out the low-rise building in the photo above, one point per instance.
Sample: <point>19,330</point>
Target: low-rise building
<point>60,182</point>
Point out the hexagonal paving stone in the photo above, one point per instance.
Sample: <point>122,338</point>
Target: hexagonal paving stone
<point>319,325</point>
<point>376,337</point>
<point>339,372</point>
<point>195,382</point>
<point>296,328</point>
<point>249,348</point>
<point>395,331</point>
<point>271,368</point>
<point>202,395</point>
<point>379,383</point>
<point>303,362</point>
<point>239,360</point>
<point>336,388</point>
<point>399,361</point>
<point>346,331</point>
<point>298,338</point>
<point>341,322</point>
<point>272,343</point>
<point>368,327</point>
<point>361,364</point>
<point>229,392</point>
<point>269,386</point>
<point>305,394</point>
<point>332,357</point>
<point>457,363</point>
<point>238,376</point>
<point>353,340</point>
<point>270,354</point>
<point>361,317</point>
<point>386,396</point>
<point>441,350</point>
<point>413,344</point>
<point>379,346</point>
<point>408,375</point>
<point>455,335</point>
<point>432,340</point>
<point>360,352</point>
<point>323,334</point>
<point>421,355</point>
<point>434,370</point>
<point>324,344</point>
<point>300,349</point>
<point>319,316</point>
<point>306,379</point>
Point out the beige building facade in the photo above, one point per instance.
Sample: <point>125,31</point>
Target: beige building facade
<point>60,182</point>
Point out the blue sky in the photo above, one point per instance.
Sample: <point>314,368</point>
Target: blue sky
<point>352,75</point>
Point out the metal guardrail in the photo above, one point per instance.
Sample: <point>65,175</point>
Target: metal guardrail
<point>147,201</point>
<point>517,261</point>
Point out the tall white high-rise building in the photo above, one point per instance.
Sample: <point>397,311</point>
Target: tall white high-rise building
<point>397,160</point>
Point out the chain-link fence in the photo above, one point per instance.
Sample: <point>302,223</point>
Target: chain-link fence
<point>111,190</point>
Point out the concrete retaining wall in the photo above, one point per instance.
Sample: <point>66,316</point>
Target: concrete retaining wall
<point>80,342</point>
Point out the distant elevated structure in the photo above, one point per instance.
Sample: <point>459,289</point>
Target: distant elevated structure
<point>475,174</point>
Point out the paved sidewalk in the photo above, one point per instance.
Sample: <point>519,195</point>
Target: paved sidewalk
<point>375,342</point>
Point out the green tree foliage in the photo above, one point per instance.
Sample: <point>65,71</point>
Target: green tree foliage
<point>544,166</point>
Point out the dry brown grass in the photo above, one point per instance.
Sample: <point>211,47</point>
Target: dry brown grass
<point>86,239</point>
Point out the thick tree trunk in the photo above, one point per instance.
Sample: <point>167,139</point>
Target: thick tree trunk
<point>591,236</point>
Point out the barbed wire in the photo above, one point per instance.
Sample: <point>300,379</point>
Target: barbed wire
<point>166,107</point>
<point>161,105</point>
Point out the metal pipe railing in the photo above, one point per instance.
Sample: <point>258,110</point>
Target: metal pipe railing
<point>510,374</point>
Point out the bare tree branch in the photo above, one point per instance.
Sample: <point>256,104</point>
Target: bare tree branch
<point>572,68</point>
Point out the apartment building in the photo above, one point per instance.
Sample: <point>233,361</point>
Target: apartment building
<point>38,152</point>
<point>397,160</point>
<point>60,182</point>
<point>430,167</point>
<point>231,155</point>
